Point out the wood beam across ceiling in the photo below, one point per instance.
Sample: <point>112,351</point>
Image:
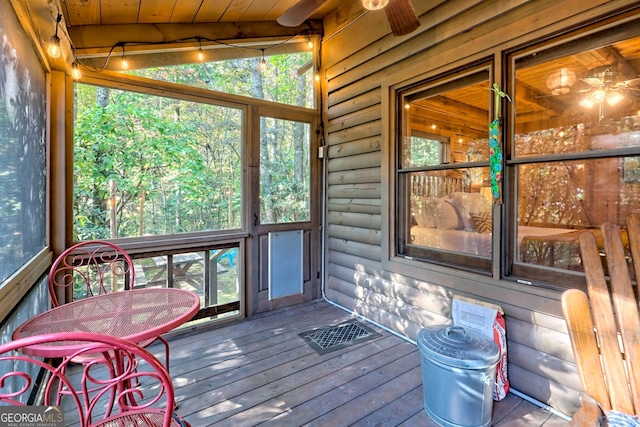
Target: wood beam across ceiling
<point>94,41</point>
<point>184,56</point>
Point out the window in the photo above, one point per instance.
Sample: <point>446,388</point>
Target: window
<point>426,149</point>
<point>574,150</point>
<point>571,158</point>
<point>443,172</point>
<point>150,165</point>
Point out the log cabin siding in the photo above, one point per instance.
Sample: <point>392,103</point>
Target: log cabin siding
<point>361,62</point>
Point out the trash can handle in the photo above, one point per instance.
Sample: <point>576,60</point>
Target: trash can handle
<point>456,329</point>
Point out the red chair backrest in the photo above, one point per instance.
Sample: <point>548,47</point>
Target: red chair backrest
<point>139,375</point>
<point>90,268</point>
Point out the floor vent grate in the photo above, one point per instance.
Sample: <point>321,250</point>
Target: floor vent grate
<point>333,338</point>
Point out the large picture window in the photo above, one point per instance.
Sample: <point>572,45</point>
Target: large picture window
<point>571,159</point>
<point>443,171</point>
<point>574,149</point>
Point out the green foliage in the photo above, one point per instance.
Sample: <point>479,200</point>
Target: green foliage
<point>176,165</point>
<point>161,154</point>
<point>281,82</point>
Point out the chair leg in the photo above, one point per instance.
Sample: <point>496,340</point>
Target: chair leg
<point>166,351</point>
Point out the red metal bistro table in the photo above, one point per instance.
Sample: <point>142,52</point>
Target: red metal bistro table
<point>136,315</point>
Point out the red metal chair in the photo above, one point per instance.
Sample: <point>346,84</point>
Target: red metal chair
<point>128,385</point>
<point>91,268</point>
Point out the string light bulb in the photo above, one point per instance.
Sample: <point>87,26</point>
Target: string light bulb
<point>54,44</point>
<point>124,64</point>
<point>317,75</point>
<point>75,71</point>
<point>309,43</point>
<point>263,63</point>
<point>200,53</point>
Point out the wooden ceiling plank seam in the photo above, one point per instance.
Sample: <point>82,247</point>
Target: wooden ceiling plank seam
<point>185,11</point>
<point>236,9</point>
<point>119,12</point>
<point>152,11</point>
<point>78,12</point>
<point>279,8</point>
<point>256,13</point>
<point>212,10</point>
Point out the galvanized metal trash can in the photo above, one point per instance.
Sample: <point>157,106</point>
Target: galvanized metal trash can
<point>458,371</point>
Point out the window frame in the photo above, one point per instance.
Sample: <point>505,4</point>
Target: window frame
<point>577,40</point>
<point>151,91</point>
<point>419,89</point>
<point>250,108</point>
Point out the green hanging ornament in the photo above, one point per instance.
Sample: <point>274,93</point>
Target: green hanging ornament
<point>495,152</point>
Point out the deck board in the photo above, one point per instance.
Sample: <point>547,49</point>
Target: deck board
<point>260,372</point>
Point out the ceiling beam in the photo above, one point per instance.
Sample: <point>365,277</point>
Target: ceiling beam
<point>534,97</point>
<point>607,56</point>
<point>184,56</point>
<point>100,40</point>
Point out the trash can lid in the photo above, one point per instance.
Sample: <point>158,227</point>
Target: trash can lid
<point>458,346</point>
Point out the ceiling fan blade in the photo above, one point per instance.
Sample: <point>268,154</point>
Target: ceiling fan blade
<point>626,83</point>
<point>401,16</point>
<point>593,81</point>
<point>299,12</point>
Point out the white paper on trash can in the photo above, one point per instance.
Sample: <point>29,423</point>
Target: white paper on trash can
<point>487,319</point>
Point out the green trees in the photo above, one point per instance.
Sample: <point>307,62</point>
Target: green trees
<point>151,165</point>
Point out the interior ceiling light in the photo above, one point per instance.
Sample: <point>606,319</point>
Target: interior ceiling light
<point>374,4</point>
<point>603,88</point>
<point>613,98</point>
<point>560,82</point>
<point>54,44</point>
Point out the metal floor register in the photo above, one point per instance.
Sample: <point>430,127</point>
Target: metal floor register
<point>333,338</point>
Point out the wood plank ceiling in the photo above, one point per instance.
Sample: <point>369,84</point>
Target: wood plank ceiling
<point>109,12</point>
<point>157,31</point>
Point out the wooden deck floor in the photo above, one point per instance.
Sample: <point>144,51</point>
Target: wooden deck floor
<point>260,372</point>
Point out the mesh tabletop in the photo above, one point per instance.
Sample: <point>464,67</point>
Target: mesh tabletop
<point>135,315</point>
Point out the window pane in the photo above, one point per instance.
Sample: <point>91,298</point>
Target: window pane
<point>558,200</point>
<point>23,201</point>
<point>445,213</point>
<point>425,150</point>
<point>284,171</point>
<point>569,104</point>
<point>287,78</point>
<point>148,165</point>
<point>573,103</point>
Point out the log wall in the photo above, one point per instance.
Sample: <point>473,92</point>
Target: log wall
<point>360,62</point>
